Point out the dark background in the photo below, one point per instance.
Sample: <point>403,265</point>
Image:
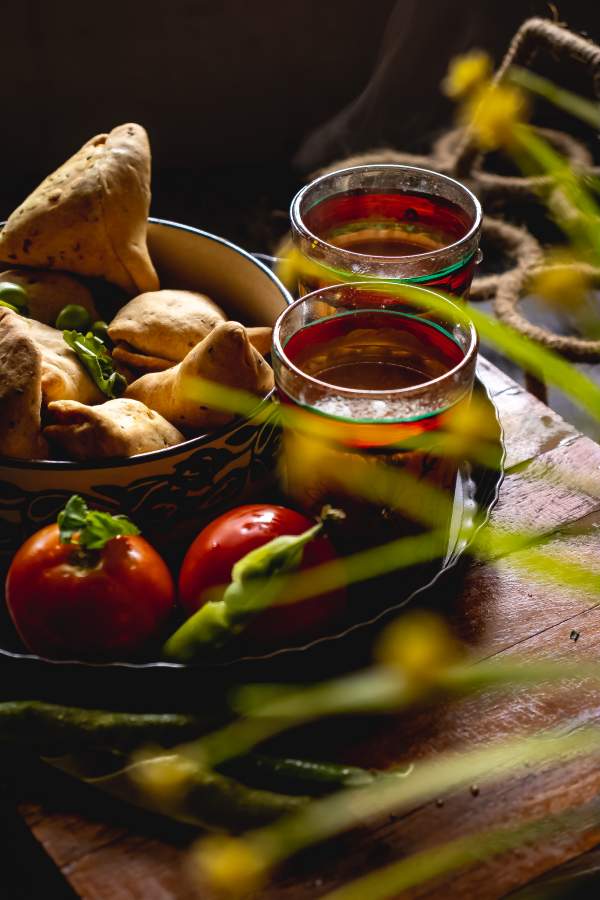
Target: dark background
<point>242,99</point>
<point>232,91</point>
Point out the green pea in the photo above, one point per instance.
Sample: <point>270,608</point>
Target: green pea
<point>14,294</point>
<point>73,318</point>
<point>8,306</point>
<point>100,330</point>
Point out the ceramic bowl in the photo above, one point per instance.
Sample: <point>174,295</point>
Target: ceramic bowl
<point>167,491</point>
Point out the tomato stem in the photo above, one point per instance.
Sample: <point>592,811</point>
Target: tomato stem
<point>84,558</point>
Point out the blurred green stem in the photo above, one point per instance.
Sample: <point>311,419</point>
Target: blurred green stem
<point>442,859</point>
<point>586,110</point>
<point>323,819</point>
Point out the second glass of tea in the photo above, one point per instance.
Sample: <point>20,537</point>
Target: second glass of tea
<point>375,381</point>
<point>389,222</point>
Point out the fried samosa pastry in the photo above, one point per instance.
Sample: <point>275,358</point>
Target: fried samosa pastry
<point>225,357</point>
<point>117,428</point>
<point>49,292</point>
<point>166,324</point>
<point>20,390</point>
<point>90,216</point>
<point>158,329</point>
<point>63,376</point>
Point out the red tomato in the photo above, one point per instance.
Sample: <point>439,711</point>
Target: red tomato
<point>210,559</point>
<point>63,609</point>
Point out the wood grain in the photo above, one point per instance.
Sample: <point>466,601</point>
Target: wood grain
<point>552,489</point>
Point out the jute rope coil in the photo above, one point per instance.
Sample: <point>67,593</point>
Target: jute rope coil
<point>535,34</point>
<point>513,288</point>
<point>456,154</point>
<point>514,243</point>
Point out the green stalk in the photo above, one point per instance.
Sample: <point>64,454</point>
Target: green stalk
<point>323,819</point>
<point>586,110</point>
<point>541,362</point>
<point>582,227</point>
<point>372,691</point>
<point>456,854</point>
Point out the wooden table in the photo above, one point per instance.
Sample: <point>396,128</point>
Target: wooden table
<point>499,612</point>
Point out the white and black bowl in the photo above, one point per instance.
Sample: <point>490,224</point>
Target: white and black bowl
<point>166,492</point>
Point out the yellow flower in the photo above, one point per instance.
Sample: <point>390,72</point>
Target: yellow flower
<point>420,645</point>
<point>492,113</point>
<point>165,776</point>
<point>470,428</point>
<point>561,283</point>
<point>289,266</point>
<point>466,73</point>
<point>229,867</point>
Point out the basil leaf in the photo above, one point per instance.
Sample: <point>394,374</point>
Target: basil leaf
<point>101,527</point>
<point>93,354</point>
<point>72,518</point>
<point>94,528</point>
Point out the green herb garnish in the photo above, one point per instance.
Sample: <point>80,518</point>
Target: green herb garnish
<point>97,360</point>
<point>94,528</point>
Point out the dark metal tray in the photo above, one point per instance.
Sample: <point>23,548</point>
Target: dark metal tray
<point>161,685</point>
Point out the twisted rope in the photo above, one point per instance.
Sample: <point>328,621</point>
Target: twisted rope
<point>455,154</point>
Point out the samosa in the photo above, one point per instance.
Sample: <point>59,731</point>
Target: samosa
<point>90,216</point>
<point>158,329</point>
<point>163,325</point>
<point>225,357</point>
<point>49,292</point>
<point>63,376</point>
<point>117,428</point>
<point>20,390</point>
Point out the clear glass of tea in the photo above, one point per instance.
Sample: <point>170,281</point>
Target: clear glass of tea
<point>374,381</point>
<point>390,222</point>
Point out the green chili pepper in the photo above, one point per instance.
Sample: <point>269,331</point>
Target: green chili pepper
<point>100,330</point>
<point>13,295</point>
<point>73,317</point>
<point>8,306</point>
<point>256,582</point>
<point>297,776</point>
<point>53,728</point>
<point>201,797</point>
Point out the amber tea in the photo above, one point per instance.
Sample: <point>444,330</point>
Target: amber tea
<point>375,351</point>
<point>376,391</point>
<point>392,222</point>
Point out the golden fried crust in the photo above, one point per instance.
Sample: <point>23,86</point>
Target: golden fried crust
<point>165,324</point>
<point>259,336</point>
<point>63,376</point>
<point>20,390</point>
<point>117,428</point>
<point>225,357</point>
<point>90,216</point>
<point>124,354</point>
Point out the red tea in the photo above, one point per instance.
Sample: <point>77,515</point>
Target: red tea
<point>374,350</point>
<point>395,224</point>
<point>368,437</point>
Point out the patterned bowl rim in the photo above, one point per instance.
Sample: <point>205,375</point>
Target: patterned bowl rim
<point>10,462</point>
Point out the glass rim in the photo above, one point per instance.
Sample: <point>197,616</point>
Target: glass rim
<point>298,222</point>
<point>461,316</point>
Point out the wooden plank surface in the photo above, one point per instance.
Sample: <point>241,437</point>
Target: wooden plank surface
<point>500,612</point>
